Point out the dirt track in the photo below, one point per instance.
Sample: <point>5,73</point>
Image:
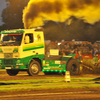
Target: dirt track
<point>23,76</point>
<point>48,94</point>
<point>52,94</point>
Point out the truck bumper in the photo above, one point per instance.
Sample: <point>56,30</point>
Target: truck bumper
<point>13,64</point>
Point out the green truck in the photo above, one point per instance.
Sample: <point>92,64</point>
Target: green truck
<point>24,50</point>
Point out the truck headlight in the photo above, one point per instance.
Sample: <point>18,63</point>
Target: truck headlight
<point>18,61</point>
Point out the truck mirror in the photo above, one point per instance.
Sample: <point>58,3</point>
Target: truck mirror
<point>27,39</point>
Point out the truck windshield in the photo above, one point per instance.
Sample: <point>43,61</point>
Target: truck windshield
<point>13,39</point>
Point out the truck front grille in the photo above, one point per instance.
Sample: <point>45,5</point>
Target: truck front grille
<point>8,62</point>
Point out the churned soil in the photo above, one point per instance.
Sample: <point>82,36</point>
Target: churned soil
<point>48,94</point>
<point>54,94</point>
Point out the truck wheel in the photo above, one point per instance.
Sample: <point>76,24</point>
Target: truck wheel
<point>34,68</point>
<point>12,72</point>
<point>73,66</point>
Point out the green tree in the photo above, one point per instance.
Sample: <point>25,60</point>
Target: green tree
<point>12,14</point>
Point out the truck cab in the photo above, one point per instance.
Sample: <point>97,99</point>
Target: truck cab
<point>18,47</point>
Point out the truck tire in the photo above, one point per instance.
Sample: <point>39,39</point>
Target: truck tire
<point>12,72</point>
<point>34,68</point>
<point>73,66</point>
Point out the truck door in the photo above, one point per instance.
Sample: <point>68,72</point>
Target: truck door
<point>28,46</point>
<point>34,45</point>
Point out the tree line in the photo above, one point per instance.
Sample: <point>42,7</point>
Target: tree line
<point>77,29</point>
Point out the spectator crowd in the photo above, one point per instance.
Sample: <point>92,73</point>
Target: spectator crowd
<point>74,47</point>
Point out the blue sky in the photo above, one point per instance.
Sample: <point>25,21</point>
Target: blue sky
<point>2,6</point>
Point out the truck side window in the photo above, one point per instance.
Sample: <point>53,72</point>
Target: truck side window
<point>30,37</point>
